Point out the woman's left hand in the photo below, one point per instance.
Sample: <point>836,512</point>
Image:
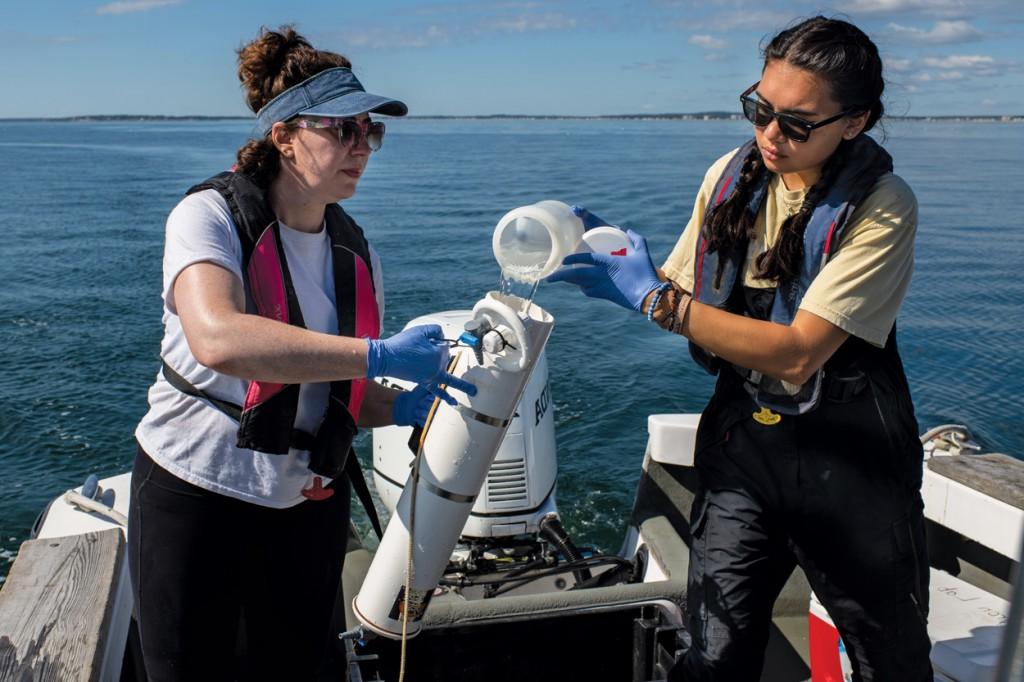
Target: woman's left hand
<point>626,280</point>
<point>412,407</point>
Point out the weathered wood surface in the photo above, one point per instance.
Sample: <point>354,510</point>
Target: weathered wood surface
<point>996,475</point>
<point>55,607</point>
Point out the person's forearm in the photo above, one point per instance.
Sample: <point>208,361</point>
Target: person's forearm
<point>210,305</point>
<point>772,349</point>
<point>378,406</point>
<point>260,349</point>
<point>788,352</point>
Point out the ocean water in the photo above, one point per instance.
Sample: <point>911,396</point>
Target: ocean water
<point>81,234</point>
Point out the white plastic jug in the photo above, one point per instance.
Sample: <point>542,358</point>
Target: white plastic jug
<point>530,241</point>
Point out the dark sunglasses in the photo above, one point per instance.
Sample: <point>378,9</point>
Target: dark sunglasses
<point>349,130</point>
<point>793,127</point>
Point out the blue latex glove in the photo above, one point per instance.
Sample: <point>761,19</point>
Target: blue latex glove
<point>590,220</point>
<point>412,407</point>
<point>418,354</point>
<point>625,280</point>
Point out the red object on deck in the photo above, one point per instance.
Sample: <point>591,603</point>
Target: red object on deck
<point>824,646</point>
<point>317,491</point>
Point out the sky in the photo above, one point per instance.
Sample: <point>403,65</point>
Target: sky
<point>563,57</point>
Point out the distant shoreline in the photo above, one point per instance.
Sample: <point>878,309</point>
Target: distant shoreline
<point>696,116</point>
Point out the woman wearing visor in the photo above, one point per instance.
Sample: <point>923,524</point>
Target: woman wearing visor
<point>272,309</point>
<point>787,281</point>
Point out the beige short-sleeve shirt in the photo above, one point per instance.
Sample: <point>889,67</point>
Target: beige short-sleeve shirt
<point>862,286</point>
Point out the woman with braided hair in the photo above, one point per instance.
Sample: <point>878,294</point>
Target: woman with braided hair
<point>787,281</point>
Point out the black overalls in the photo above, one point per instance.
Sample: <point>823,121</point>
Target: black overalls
<point>835,490</point>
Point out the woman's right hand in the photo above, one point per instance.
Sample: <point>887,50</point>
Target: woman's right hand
<point>418,354</point>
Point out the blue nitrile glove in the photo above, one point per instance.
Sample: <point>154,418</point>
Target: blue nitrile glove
<point>626,280</point>
<point>412,407</point>
<point>590,220</point>
<point>417,354</point>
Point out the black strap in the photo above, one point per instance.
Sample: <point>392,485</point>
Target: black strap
<point>188,388</point>
<point>300,440</point>
<point>355,476</point>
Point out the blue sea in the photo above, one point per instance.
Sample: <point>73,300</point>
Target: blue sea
<point>81,237</point>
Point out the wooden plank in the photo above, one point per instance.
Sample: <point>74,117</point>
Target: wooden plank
<point>55,607</point>
<point>997,475</point>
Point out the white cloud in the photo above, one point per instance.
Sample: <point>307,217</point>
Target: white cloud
<point>961,61</point>
<point>963,67</point>
<point>941,76</point>
<point>708,42</point>
<point>134,6</point>
<point>464,8</point>
<point>897,65</point>
<point>895,6</point>
<point>942,32</point>
<point>528,23</point>
<point>763,21</point>
<point>390,38</point>
<point>657,66</point>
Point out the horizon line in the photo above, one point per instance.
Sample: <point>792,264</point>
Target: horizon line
<point>700,115</point>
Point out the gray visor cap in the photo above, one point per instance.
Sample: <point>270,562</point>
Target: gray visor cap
<point>334,93</point>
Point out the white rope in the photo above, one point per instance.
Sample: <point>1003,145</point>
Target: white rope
<point>415,479</point>
<point>89,504</point>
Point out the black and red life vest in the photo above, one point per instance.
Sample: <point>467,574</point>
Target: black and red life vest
<point>267,416</point>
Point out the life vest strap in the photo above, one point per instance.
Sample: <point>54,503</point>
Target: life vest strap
<point>301,440</point>
<point>188,388</point>
<point>298,439</point>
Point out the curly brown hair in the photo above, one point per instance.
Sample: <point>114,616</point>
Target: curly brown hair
<point>267,66</point>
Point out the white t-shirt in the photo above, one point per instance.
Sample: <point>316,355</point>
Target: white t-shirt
<point>189,437</point>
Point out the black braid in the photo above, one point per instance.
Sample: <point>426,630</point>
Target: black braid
<point>782,262</point>
<point>846,60</point>
<point>730,225</point>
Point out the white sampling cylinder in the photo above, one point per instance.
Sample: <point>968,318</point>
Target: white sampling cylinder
<point>458,446</point>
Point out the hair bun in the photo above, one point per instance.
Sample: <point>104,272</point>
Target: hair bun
<point>263,63</point>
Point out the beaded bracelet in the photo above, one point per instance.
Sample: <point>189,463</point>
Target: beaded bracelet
<point>665,286</point>
<point>662,317</point>
<point>678,306</point>
<point>679,312</point>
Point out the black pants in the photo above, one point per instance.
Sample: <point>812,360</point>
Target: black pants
<point>835,491</point>
<point>228,590</point>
